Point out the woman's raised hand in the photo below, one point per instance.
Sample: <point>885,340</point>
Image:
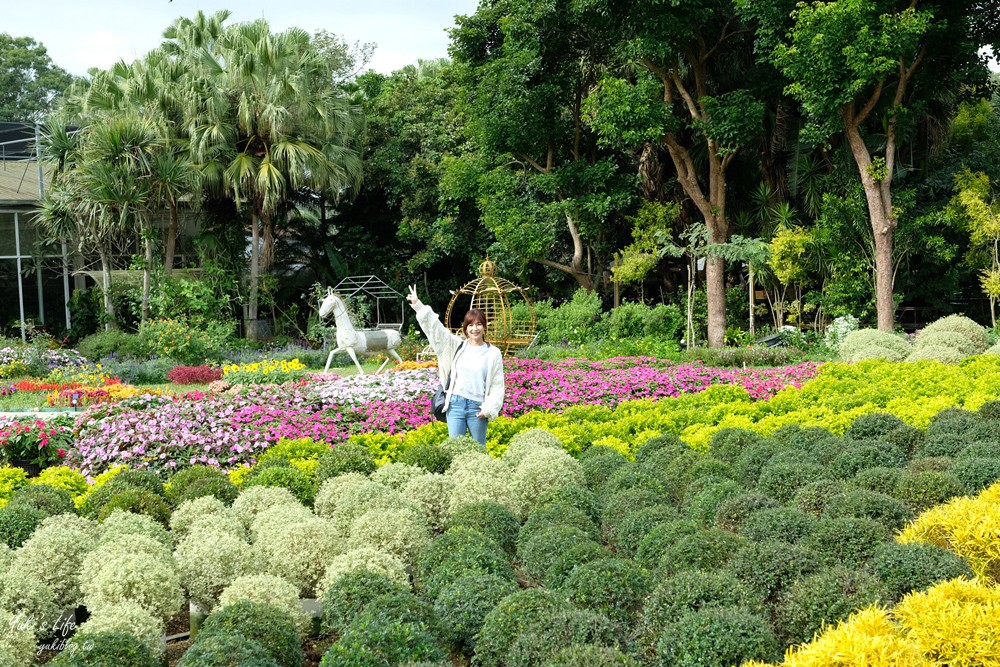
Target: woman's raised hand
<point>412,296</point>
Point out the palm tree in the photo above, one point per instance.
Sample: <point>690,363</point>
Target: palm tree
<point>264,121</point>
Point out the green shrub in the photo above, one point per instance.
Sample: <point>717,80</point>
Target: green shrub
<point>491,519</point>
<point>557,514</point>
<point>667,441</point>
<point>982,449</point>
<point>734,511</point>
<point>861,455</point>
<point>574,322</point>
<point>633,477</point>
<point>459,551</point>
<point>705,549</point>
<point>952,420</point>
<point>907,438</point>
<point>846,540</point>
<point>343,458</point>
<point>98,345</point>
<point>590,655</point>
<point>351,595</point>
<point>541,471</point>
<point>431,458</point>
<point>634,526</point>
<point>949,339</point>
<point>902,568</point>
<point>717,636</point>
<point>463,605</point>
<point>976,474</point>
<point>624,502</point>
<point>527,441</point>
<point>813,497</point>
<point>145,480</point>
<point>749,464</point>
<point>374,640</point>
<point>597,470</point>
<point>728,444</point>
<point>873,426</point>
<point>49,500</point>
<point>702,501</point>
<point>931,463</point>
<point>226,649</point>
<point>269,626</point>
<point>879,478</point>
<point>661,537</point>
<point>781,480</point>
<point>396,475</point>
<point>969,329</point>
<point>404,607</point>
<point>293,479</point>
<point>120,525</point>
<point>198,481</point>
<point>941,444</point>
<point>17,523</point>
<point>923,490</point>
<point>566,562</point>
<point>778,523</point>
<point>136,501</point>
<point>767,568</point>
<point>614,587</point>
<point>873,344</point>
<point>990,410</point>
<point>823,598</point>
<point>538,553</point>
<point>946,355</point>
<point>800,438</point>
<point>105,649</point>
<point>576,495</point>
<point>866,504</point>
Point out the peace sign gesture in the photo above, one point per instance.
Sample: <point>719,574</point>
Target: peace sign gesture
<point>412,296</point>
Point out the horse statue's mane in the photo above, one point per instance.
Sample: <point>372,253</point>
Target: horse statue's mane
<point>355,341</point>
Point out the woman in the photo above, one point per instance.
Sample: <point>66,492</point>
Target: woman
<point>471,370</point>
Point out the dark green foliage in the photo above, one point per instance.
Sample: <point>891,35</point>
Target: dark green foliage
<point>198,481</point>
<point>861,455</point>
<point>137,479</point>
<point>987,430</point>
<point>48,499</point>
<point>813,497</point>
<point>982,449</point>
<point>528,611</point>
<point>873,426</point>
<point>749,464</point>
<point>734,511</point>
<point>351,594</point>
<point>404,607</point>
<point>375,639</point>
<point>716,637</point>
<point>98,345</point>
<point>578,554</point>
<point>492,519</point>
<point>782,479</point>
<point>913,567</point>
<point>932,463</point>
<point>557,514</point>
<point>702,506</point>
<point>800,438</point>
<point>879,478</point>
<point>907,438</point>
<point>578,496</point>
<point>952,420</point>
<point>597,470</point>
<point>706,549</point>
<point>536,645</point>
<point>17,523</point>
<point>778,523</point>
<point>457,552</point>
<point>137,501</point>
<point>823,598</point>
<point>767,568</point>
<point>544,548</point>
<point>942,444</point>
<point>666,442</point>
<point>976,474</point>
<point>590,655</point>
<point>633,477</point>
<point>344,457</point>
<point>708,466</point>
<point>226,649</point>
<point>293,479</point>
<point>989,410</point>
<point>885,509</point>
<point>431,458</point>
<point>614,587</point>
<point>923,490</point>
<point>729,443</point>
<point>689,591</point>
<point>272,628</point>
<point>109,649</point>
<point>825,451</point>
<point>846,540</point>
<point>623,503</point>
<point>595,451</point>
<point>676,468</point>
<point>636,525</point>
<point>463,604</point>
<point>660,538</point>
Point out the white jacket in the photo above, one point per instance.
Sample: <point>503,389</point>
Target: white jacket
<point>446,347</point>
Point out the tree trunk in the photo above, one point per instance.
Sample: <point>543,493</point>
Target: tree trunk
<point>575,267</point>
<point>109,306</point>
<point>171,245</point>
<point>251,330</point>
<point>146,276</point>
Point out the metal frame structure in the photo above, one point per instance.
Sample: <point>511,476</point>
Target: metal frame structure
<point>493,295</point>
<point>375,288</point>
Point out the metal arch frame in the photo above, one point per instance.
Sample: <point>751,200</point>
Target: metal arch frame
<point>376,288</point>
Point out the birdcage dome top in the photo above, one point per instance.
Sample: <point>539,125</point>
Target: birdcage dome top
<point>496,297</point>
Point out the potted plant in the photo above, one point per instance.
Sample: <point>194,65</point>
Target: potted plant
<point>34,444</point>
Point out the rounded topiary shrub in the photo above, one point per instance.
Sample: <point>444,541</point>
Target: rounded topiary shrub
<point>728,444</point>
<point>122,524</point>
<point>615,587</point>
<point>119,572</point>
<point>401,531</point>
<point>941,353</point>
<point>569,560</point>
<point>813,497</point>
<point>625,502</point>
<point>873,344</point>
<point>701,504</point>
<point>879,478</point>
<point>270,590</point>
<point>717,636</point>
<point>665,442</point>
<point>48,499</point>
<point>54,555</point>
<point>137,501</point>
<point>491,519</point>
<point>950,339</point>
<point>941,444</point>
<point>633,477</point>
<point>597,470</point>
<point>782,479</point>
<point>255,500</point>
<point>198,481</point>
<point>576,495</point>
<point>734,511</point>
<point>300,552</point>
<point>105,649</point>
<point>131,618</point>
<point>922,490</point>
<point>824,598</point>
<point>272,628</point>
<point>873,426</point>
<point>461,445</point>
<point>431,492</point>
<point>591,655</point>
<point>541,551</point>
<point>395,475</point>
<point>362,559</point>
<point>846,540</point>
<point>767,568</point>
<point>953,420</point>
<point>374,639</point>
<point>885,509</point>
<point>659,538</point>
<point>463,605</point>
<point>17,523</point>
<point>293,479</point>
<point>634,526</point>
<point>344,457</point>
<point>969,329</point>
<point>902,568</point>
<point>351,594</point>
<point>541,471</point>
<point>861,455</point>
<point>527,441</point>
<point>457,552</point>
<point>976,474</point>
<point>17,642</point>
<point>907,438</point>
<point>146,480</point>
<point>431,458</point>
<point>28,598</point>
<point>226,649</point>
<point>190,511</point>
<point>778,523</point>
<point>750,462</point>
<point>982,449</point>
<point>705,549</point>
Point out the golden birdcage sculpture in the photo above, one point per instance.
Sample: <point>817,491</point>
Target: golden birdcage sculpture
<point>492,295</point>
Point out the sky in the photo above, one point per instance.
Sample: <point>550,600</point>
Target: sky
<point>80,34</point>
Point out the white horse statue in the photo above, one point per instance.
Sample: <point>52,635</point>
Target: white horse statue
<point>353,340</point>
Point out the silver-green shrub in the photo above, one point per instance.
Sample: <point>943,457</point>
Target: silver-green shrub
<point>396,475</point>
<point>300,552</point>
<point>17,641</point>
<point>541,471</point>
<point>189,510</point>
<point>431,491</point>
<point>130,618</point>
<point>946,355</point>
<point>329,492</point>
<point>364,558</point>
<point>121,523</point>
<point>277,517</point>
<point>874,344</point>
<point>960,324</point>
<point>208,561</point>
<point>112,574</point>
<point>267,589</point>
<point>256,499</point>
<point>527,441</point>
<point>54,555</point>
<point>946,339</point>
<point>28,598</point>
<point>401,531</point>
<point>477,477</point>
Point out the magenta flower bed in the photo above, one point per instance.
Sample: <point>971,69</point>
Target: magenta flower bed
<point>229,431</point>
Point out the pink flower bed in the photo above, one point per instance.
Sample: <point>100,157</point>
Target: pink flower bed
<point>229,431</point>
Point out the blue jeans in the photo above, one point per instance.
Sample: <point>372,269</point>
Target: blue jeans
<point>462,415</point>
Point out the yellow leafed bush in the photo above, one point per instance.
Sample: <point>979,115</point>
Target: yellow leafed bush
<point>868,638</point>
